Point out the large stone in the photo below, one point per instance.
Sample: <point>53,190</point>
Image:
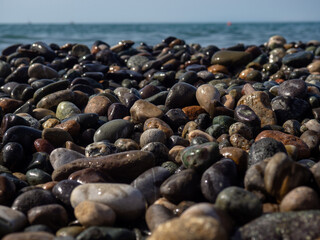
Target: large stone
<point>181,95</point>
<point>205,95</point>
<point>41,71</point>
<point>231,58</point>
<point>61,156</point>
<point>11,220</point>
<point>259,102</point>
<point>142,110</point>
<point>124,166</point>
<point>127,202</point>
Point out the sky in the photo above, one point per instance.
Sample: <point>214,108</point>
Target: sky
<point>163,11</point>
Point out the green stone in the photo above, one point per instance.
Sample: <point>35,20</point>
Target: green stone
<point>37,176</point>
<point>200,157</point>
<point>224,121</point>
<point>231,58</point>
<point>66,109</point>
<point>170,166</point>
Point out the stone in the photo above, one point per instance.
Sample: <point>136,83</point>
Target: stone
<point>159,124</point>
<point>90,175</point>
<point>52,215</point>
<point>181,95</point>
<point>10,120</point>
<point>194,228</point>
<point>293,88</point>
<point>157,214</point>
<point>298,59</point>
<point>53,99</point>
<point>192,112</point>
<point>41,71</point>
<point>80,50</point>
<point>9,105</point>
<point>239,156</point>
<point>299,199</point>
<point>61,156</point>
<point>243,206</point>
<point>127,202</point>
<point>117,111</point>
<point>264,148</point>
<point>142,110</point>
<point>126,144</point>
<point>63,189</point>
<point>219,176</point>
<point>286,139</point>
<point>30,236</point>
<point>99,105</point>
<point>66,109</point>
<point>113,130</point>
<point>100,149</point>
<point>152,135</point>
<point>91,213</point>
<point>286,225</point>
<point>137,61</point>
<point>181,186</point>
<point>65,232</point>
<point>49,89</point>
<point>70,126</point>
<point>7,191</point>
<point>149,183</point>
<point>281,175</point>
<point>123,167</point>
<point>42,145</point>
<point>56,136</point>
<point>13,156</point>
<point>95,233</point>
<point>159,150</point>
<point>149,91</point>
<point>314,67</point>
<point>44,50</point>
<point>205,95</point>
<point>231,58</point>
<point>200,157</point>
<point>37,176</point>
<point>11,220</point>
<point>259,102</point>
<point>32,198</point>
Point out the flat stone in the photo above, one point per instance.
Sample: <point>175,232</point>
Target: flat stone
<point>286,139</point>
<point>231,58</point>
<point>106,233</point>
<point>127,202</point>
<point>91,213</point>
<point>125,166</point>
<point>53,99</point>
<point>298,59</point>
<point>142,110</point>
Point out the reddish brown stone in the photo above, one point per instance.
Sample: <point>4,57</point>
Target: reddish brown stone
<point>245,72</point>
<point>193,111</point>
<point>287,139</point>
<point>9,105</point>
<point>43,145</point>
<point>159,124</point>
<point>239,156</point>
<point>217,68</point>
<point>70,126</point>
<point>98,105</point>
<point>72,146</point>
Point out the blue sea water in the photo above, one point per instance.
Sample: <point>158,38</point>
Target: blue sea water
<point>219,34</point>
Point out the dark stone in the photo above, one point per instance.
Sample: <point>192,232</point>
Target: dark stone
<point>37,176</point>
<point>293,88</point>
<point>13,156</point>
<point>219,176</point>
<point>32,198</point>
<point>62,190</point>
<point>149,183</point>
<point>181,186</point>
<point>175,118</point>
<point>181,95</point>
<point>298,59</point>
<point>159,150</point>
<point>106,233</point>
<point>263,149</point>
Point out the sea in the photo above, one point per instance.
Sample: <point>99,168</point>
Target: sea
<point>219,34</point>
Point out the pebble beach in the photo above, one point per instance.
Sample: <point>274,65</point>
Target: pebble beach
<point>169,141</point>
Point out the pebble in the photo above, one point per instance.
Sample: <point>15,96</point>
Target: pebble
<point>127,202</point>
<point>193,228</point>
<point>30,235</point>
<point>181,123</point>
<point>11,220</point>
<point>90,213</point>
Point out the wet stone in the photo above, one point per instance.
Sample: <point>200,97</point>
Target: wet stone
<point>100,149</point>
<point>149,183</point>
<point>95,232</point>
<point>205,95</point>
<point>37,176</point>
<point>157,214</point>
<point>126,144</point>
<point>98,105</point>
<point>13,155</point>
<point>52,215</point>
<point>159,150</point>
<point>63,189</point>
<point>61,156</point>
<point>181,95</point>
<point>293,88</point>
<point>55,98</point>
<point>117,111</point>
<point>127,202</point>
<point>219,176</point>
<point>142,110</point>
<point>56,136</point>
<point>231,58</point>
<point>181,186</point>
<point>66,109</point>
<point>32,198</point>
<point>90,175</point>
<point>91,213</point>
<point>298,59</point>
<point>41,71</point>
<point>30,235</point>
<point>11,220</point>
<point>152,135</point>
